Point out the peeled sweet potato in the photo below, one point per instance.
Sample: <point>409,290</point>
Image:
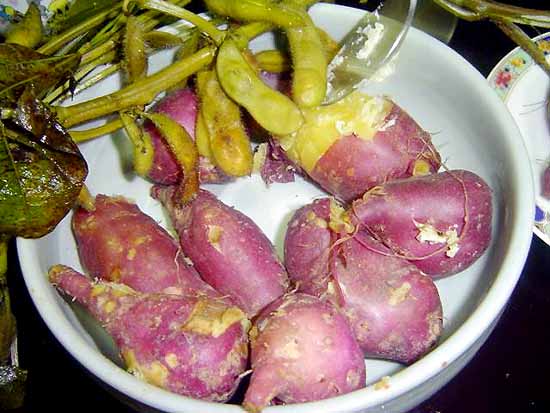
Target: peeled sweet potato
<point>302,349</point>
<point>118,242</point>
<point>229,250</point>
<point>441,222</point>
<point>359,142</point>
<point>182,106</point>
<point>191,345</point>
<point>394,310</point>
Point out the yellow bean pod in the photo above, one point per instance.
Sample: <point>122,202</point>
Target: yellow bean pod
<point>273,61</point>
<point>186,50</point>
<point>274,111</point>
<point>229,143</point>
<point>330,46</point>
<point>28,32</point>
<point>141,141</point>
<point>254,10</point>
<point>135,58</point>
<point>184,150</point>
<point>202,138</point>
<point>309,81</point>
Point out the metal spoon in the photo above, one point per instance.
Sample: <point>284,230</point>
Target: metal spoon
<point>372,43</point>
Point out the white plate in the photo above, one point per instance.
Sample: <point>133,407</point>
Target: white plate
<point>472,129</point>
<point>525,89</point>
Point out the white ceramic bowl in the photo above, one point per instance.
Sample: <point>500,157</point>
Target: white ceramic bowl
<point>472,129</point>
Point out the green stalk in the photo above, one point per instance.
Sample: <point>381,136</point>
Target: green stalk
<point>60,40</point>
<point>458,11</point>
<point>499,11</point>
<point>137,94</point>
<point>168,8</point>
<point>524,41</point>
<point>92,133</point>
<point>473,10</point>
<point>81,73</point>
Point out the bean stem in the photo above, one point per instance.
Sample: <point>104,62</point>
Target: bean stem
<point>515,33</point>
<point>59,41</point>
<point>92,133</point>
<point>137,94</point>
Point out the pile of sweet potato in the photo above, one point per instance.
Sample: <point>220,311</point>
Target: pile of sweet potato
<point>194,315</point>
<point>357,281</point>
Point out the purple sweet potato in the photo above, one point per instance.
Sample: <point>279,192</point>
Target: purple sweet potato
<point>360,142</point>
<point>182,106</point>
<point>308,240</point>
<point>228,249</point>
<point>118,242</point>
<point>394,310</point>
<point>191,345</point>
<point>440,222</point>
<point>302,349</point>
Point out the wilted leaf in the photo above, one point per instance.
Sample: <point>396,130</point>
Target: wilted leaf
<point>12,387</point>
<point>7,320</point>
<point>41,171</point>
<point>21,67</point>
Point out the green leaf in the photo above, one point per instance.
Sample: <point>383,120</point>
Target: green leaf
<point>41,171</point>
<point>21,67</point>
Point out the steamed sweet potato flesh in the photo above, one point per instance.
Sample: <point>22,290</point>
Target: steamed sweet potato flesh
<point>359,142</point>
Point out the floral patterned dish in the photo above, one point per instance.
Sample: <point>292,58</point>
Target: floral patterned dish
<point>525,89</point>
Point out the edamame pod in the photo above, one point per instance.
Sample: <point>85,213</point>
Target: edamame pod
<point>273,61</point>
<point>183,149</point>
<point>141,141</point>
<point>309,80</point>
<point>274,111</point>
<point>229,143</point>
<point>254,10</point>
<point>202,138</point>
<point>135,58</point>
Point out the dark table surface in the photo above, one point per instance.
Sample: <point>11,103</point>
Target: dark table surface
<point>509,373</point>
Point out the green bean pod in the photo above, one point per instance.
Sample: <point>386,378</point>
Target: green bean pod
<point>274,111</point>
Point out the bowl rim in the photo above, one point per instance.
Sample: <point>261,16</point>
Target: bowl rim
<point>481,319</point>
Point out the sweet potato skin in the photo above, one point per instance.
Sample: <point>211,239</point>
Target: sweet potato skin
<point>302,349</point>
<point>457,200</point>
<point>118,242</point>
<point>307,247</point>
<point>394,310</point>
<point>352,165</point>
<point>182,106</point>
<point>228,249</point>
<point>183,350</point>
